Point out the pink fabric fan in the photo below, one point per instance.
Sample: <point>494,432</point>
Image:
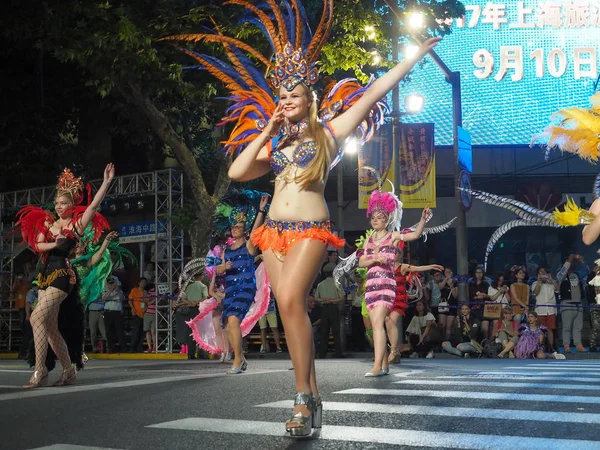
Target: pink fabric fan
<point>261,300</point>
<point>203,329</point>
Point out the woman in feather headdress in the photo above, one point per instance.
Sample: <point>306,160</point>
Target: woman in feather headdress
<point>289,133</point>
<point>577,130</point>
<point>379,254</point>
<point>240,277</point>
<point>55,239</point>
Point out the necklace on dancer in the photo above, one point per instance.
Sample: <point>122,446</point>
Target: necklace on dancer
<point>379,239</point>
<point>295,130</point>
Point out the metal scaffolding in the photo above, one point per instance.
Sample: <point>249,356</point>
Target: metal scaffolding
<point>169,258</point>
<point>166,186</point>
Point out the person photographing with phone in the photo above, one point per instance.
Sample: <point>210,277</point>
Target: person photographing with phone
<point>544,289</point>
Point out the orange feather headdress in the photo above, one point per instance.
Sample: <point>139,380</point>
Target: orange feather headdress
<point>296,52</point>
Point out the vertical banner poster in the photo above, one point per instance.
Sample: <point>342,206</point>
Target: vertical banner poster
<point>377,154</point>
<point>417,166</point>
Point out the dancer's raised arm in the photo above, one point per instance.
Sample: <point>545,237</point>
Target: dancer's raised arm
<point>592,231</point>
<point>414,235</point>
<point>109,174</point>
<point>345,124</point>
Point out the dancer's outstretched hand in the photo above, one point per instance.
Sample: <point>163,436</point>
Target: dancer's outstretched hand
<point>428,45</point>
<point>109,172</point>
<point>263,202</point>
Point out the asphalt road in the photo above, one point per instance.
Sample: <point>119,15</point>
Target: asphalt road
<point>439,403</point>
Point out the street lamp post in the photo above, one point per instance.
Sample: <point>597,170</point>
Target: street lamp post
<point>453,78</point>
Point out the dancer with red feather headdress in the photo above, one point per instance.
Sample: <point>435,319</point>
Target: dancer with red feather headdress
<point>54,238</point>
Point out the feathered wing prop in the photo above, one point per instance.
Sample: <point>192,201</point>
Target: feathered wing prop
<point>437,229</point>
<point>528,216</point>
<point>523,210</point>
<point>347,265</point>
<point>344,267</point>
<point>261,301</point>
<point>190,270</point>
<point>596,190</point>
<point>33,220</point>
<point>339,97</point>
<point>574,130</point>
<point>201,326</point>
<point>98,225</point>
<point>296,49</point>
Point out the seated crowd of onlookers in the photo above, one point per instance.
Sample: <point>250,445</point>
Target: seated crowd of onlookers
<point>515,314</point>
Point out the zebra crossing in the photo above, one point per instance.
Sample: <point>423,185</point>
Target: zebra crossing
<point>534,405</point>
<point>404,397</point>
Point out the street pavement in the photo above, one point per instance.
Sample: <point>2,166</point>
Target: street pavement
<point>435,403</point>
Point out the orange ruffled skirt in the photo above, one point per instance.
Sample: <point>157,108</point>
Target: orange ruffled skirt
<point>280,236</point>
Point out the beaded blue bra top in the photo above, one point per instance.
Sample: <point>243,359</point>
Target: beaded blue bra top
<point>303,154</point>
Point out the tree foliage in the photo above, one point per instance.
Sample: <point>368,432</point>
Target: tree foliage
<point>110,51</point>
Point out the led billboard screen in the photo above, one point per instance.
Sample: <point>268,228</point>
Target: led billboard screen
<point>519,61</point>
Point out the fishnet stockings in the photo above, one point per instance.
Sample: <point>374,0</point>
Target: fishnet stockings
<point>44,321</point>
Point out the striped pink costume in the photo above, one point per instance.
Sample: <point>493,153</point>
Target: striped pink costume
<point>381,282</point>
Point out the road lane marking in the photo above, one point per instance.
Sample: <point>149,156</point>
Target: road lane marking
<point>473,395</point>
<point>555,367</point>
<point>408,374</point>
<point>392,436</point>
<point>42,392</point>
<point>72,447</point>
<point>524,378</point>
<point>535,372</point>
<point>501,384</point>
<point>450,411</point>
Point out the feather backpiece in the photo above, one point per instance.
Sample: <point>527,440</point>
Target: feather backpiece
<point>347,265</point>
<point>190,270</point>
<point>572,215</point>
<point>437,229</point>
<point>574,130</point>
<point>523,210</point>
<point>33,220</point>
<point>505,228</point>
<point>296,50</point>
<point>596,189</point>
<point>343,95</point>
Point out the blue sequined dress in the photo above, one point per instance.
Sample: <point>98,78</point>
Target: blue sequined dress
<point>240,283</point>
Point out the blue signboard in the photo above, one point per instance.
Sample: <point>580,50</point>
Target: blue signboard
<point>465,150</point>
<point>137,232</point>
<point>520,62</point>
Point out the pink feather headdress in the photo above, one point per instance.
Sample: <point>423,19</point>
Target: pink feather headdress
<point>382,202</point>
<point>386,203</point>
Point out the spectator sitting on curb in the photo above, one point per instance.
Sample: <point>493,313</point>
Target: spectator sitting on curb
<point>506,331</point>
<point>532,339</point>
<point>466,334</point>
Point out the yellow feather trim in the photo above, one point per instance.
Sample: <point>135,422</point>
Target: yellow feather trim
<point>573,215</point>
